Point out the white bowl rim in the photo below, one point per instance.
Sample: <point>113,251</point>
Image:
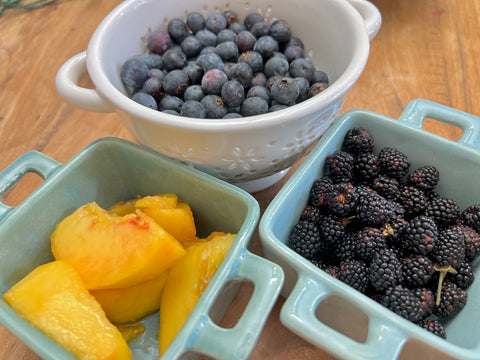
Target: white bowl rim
<point>335,91</point>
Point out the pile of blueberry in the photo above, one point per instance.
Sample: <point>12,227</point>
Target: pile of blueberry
<point>218,67</point>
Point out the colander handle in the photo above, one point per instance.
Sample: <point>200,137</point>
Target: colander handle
<point>419,109</point>
<point>370,14</point>
<point>238,342</point>
<point>67,86</point>
<point>32,161</point>
<point>384,341</point>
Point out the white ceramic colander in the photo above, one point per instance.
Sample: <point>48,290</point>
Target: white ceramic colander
<point>252,152</point>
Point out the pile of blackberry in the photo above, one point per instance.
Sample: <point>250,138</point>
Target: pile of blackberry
<point>381,227</point>
<point>221,66</point>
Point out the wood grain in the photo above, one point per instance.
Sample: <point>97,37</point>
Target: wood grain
<point>425,49</point>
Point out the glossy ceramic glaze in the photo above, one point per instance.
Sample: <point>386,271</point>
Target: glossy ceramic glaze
<point>253,152</point>
<point>330,314</point>
<point>112,170</point>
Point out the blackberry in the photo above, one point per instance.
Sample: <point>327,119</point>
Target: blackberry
<point>393,162</point>
<point>365,167</point>
<point>311,213</point>
<point>339,166</point>
<point>384,270</point>
<point>421,234</point>
<point>305,239</point>
<point>403,302</point>
<point>319,190</point>
<point>444,211</point>
<point>386,186</point>
<point>472,242</point>
<point>434,326</point>
<point>355,274</point>
<point>471,217</point>
<point>341,199</point>
<point>464,276</point>
<point>345,248</point>
<point>452,300</point>
<point>413,200</point>
<point>358,140</point>
<point>367,242</point>
<point>427,300</point>
<point>425,178</point>
<point>373,209</point>
<point>331,270</point>
<point>449,249</point>
<point>332,229</point>
<point>394,230</point>
<point>417,270</point>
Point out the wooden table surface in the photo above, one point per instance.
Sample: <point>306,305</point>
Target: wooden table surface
<point>425,49</point>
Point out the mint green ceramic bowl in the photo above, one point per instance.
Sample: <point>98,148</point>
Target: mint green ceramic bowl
<point>339,319</point>
<point>111,170</point>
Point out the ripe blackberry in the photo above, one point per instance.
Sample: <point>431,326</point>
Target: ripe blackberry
<point>394,230</point>
<point>449,249</point>
<point>331,270</point>
<point>421,234</point>
<point>471,217</point>
<point>413,200</point>
<point>444,211</point>
<point>464,276</point>
<point>393,162</point>
<point>472,241</point>
<point>403,302</point>
<point>373,209</point>
<point>386,186</point>
<point>311,213</point>
<point>305,239</point>
<point>384,270</point>
<point>452,300</point>
<point>417,270</point>
<point>434,326</point>
<point>355,274</point>
<point>365,168</point>
<point>367,242</point>
<point>345,248</point>
<point>319,190</point>
<point>358,140</point>
<point>332,229</point>
<point>425,177</point>
<point>427,300</point>
<point>341,199</point>
<point>339,166</point>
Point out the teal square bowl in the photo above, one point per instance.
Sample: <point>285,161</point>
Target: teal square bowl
<point>111,170</point>
<point>339,319</point>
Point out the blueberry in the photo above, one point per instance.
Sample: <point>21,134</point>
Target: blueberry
<point>154,87</point>
<point>193,109</point>
<point>254,106</point>
<point>251,19</point>
<point>276,66</point>
<point>266,46</point>
<point>320,76</point>
<point>237,27</point>
<point>134,72</point>
<point>285,91</point>
<point>302,68</point>
<point>177,29</point>
<point>169,102</point>
<point>175,82</point>
<point>191,47</point>
<point>252,58</point>
<point>280,31</point>
<point>317,88</point>
<point>231,17</point>
<point>279,55</point>
<point>271,81</point>
<point>304,89</point>
<point>171,112</point>
<point>232,115</point>
<point>234,109</point>
<point>210,61</point>
<point>232,93</point>
<point>195,22</point>
<point>228,51</point>
<point>174,59</point>
<point>159,41</point>
<point>213,81</point>
<point>207,50</point>
<point>206,38</point>
<point>259,79</point>
<point>194,73</point>
<point>216,23</point>
<point>245,41</point>
<point>157,73</point>
<point>214,106</point>
<point>261,92</point>
<point>227,68</point>
<point>153,61</point>
<point>277,107</point>
<point>145,99</point>
<point>293,52</point>
<point>243,73</point>
<point>193,92</point>
<point>260,29</point>
<point>294,41</point>
<point>226,35</point>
